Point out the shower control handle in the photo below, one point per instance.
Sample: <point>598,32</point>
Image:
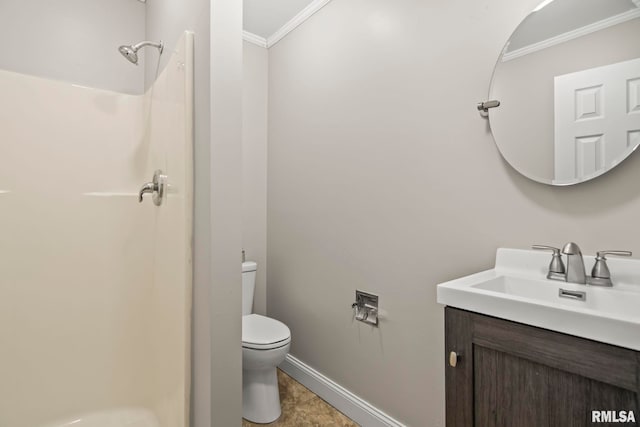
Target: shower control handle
<point>149,187</point>
<point>156,188</point>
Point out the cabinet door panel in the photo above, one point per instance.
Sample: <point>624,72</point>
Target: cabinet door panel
<point>459,379</point>
<point>522,392</point>
<point>509,391</point>
<point>568,398</point>
<point>514,375</point>
<point>485,368</point>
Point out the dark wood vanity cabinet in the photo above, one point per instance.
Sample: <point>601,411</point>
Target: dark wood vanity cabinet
<point>508,374</point>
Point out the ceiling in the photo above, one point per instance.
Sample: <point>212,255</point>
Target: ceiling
<point>264,17</point>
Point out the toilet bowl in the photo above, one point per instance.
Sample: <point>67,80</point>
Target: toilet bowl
<point>265,344</point>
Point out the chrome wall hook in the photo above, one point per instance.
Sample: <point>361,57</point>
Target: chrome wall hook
<point>483,107</point>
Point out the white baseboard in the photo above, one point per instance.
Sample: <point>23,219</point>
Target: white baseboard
<point>339,397</point>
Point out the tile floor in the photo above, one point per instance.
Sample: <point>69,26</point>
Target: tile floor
<point>302,408</point>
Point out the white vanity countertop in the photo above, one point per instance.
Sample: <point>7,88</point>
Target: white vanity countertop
<point>517,289</point>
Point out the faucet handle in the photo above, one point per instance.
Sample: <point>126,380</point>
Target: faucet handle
<point>601,254</point>
<point>556,266</point>
<point>556,251</point>
<point>600,268</point>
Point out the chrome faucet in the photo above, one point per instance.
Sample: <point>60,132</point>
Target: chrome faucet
<point>575,264</point>
<point>575,271</point>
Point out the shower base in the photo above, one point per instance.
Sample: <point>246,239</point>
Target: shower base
<point>120,417</point>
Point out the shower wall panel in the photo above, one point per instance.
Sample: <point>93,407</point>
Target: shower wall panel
<point>170,120</point>
<point>94,286</point>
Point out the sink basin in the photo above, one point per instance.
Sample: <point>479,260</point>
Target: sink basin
<point>517,289</point>
<point>613,302</point>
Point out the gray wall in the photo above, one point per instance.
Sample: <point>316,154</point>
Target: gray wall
<point>226,212</point>
<point>73,40</point>
<point>383,177</point>
<point>254,165</point>
<point>216,349</point>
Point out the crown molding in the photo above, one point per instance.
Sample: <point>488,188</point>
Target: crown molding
<point>254,38</point>
<point>291,25</point>
<point>294,22</point>
<point>574,34</point>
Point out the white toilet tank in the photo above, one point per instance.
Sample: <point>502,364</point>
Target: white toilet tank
<point>248,286</point>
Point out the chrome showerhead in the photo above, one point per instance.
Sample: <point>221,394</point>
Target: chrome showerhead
<point>131,52</point>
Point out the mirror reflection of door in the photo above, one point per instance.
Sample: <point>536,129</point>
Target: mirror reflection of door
<point>597,119</point>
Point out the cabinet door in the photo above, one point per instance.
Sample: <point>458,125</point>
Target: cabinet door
<point>459,379</point>
<point>513,375</point>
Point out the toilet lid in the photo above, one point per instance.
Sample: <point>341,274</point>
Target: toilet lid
<point>263,333</point>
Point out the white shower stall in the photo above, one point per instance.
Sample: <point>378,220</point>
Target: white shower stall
<point>95,287</point>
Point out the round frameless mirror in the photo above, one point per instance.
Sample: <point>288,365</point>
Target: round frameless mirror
<point>568,82</point>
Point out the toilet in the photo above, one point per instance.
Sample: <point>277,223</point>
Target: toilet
<point>265,343</point>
